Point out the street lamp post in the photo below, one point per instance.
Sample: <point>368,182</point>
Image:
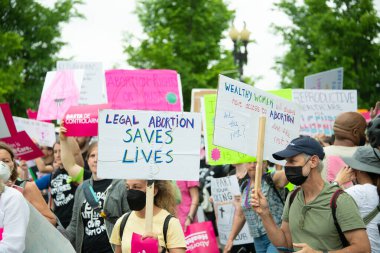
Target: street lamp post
<point>240,39</point>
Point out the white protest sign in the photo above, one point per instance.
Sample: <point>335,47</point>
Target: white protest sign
<point>331,79</point>
<point>149,145</point>
<point>93,89</point>
<point>223,191</point>
<point>319,108</point>
<point>238,109</point>
<point>42,132</point>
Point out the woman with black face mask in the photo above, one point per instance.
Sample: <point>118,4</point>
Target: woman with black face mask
<point>163,210</point>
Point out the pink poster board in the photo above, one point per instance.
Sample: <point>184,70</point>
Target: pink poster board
<point>148,245</point>
<point>83,120</point>
<point>61,90</point>
<point>200,238</point>
<point>23,146</point>
<point>157,90</point>
<point>7,126</point>
<point>33,115</point>
<point>334,165</point>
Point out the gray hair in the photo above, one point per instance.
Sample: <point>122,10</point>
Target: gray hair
<point>320,163</point>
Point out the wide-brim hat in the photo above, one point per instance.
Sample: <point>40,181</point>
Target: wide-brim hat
<point>365,159</point>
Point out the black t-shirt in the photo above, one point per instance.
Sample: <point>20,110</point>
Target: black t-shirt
<point>62,193</point>
<point>95,235</point>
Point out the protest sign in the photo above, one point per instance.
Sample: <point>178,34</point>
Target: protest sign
<point>196,95</point>
<point>42,132</point>
<point>149,145</point>
<point>23,146</point>
<point>148,245</point>
<point>319,108</point>
<point>216,155</point>
<point>223,192</point>
<point>83,120</point>
<point>238,109</point>
<point>157,90</point>
<point>61,90</point>
<point>327,80</point>
<point>93,89</point>
<point>7,126</point>
<point>200,238</point>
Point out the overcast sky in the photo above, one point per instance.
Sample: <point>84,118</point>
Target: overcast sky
<point>99,36</point>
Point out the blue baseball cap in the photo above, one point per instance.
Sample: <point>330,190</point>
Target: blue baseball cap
<point>304,144</point>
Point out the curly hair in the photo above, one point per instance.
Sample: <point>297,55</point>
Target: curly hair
<point>6,147</point>
<point>165,197</point>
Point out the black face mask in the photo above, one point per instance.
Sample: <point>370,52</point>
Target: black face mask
<point>136,199</point>
<point>294,174</point>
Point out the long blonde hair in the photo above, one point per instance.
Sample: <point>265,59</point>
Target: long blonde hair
<point>165,197</point>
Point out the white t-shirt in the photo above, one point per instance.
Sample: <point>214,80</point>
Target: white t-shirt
<point>14,218</point>
<point>334,150</point>
<point>367,199</point>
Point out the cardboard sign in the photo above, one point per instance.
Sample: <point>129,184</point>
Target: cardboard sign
<point>7,126</point>
<point>216,155</point>
<point>61,90</point>
<point>327,80</point>
<point>200,238</point>
<point>197,95</point>
<point>238,109</point>
<point>83,120</point>
<point>42,132</point>
<point>23,146</point>
<point>149,145</point>
<point>157,90</point>
<point>319,108</point>
<point>223,191</point>
<point>93,89</point>
<point>148,245</point>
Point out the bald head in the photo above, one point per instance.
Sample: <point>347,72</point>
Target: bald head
<point>350,126</point>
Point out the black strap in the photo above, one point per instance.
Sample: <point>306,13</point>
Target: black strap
<point>293,195</point>
<point>333,207</point>
<point>122,224</point>
<point>166,227</point>
<point>270,182</point>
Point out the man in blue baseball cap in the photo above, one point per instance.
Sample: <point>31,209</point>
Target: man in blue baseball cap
<point>307,220</point>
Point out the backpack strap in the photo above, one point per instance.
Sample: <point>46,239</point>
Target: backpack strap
<point>122,225</point>
<point>293,195</point>
<point>333,207</point>
<point>166,227</point>
<point>367,219</point>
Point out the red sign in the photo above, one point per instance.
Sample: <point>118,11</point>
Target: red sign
<point>23,146</point>
<point>7,126</point>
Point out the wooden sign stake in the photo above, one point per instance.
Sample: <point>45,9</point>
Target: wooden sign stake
<point>149,206</point>
<point>260,154</point>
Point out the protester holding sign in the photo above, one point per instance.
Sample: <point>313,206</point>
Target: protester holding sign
<point>170,239</point>
<point>364,169</point>
<point>273,188</point>
<point>98,203</point>
<point>28,189</point>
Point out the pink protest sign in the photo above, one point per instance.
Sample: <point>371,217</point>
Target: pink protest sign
<point>23,146</point>
<point>83,120</point>
<point>61,90</point>
<point>334,165</point>
<point>33,115</point>
<point>148,245</point>
<point>7,126</point>
<point>158,90</point>
<point>200,238</point>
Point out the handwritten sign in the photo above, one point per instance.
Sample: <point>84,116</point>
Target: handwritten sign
<point>149,145</point>
<point>238,109</point>
<point>223,192</point>
<point>197,95</point>
<point>93,89</point>
<point>42,132</point>
<point>216,155</point>
<point>7,126</point>
<point>319,108</point>
<point>148,245</point>
<point>61,90</point>
<point>327,80</point>
<point>23,146</point>
<point>83,120</point>
<point>157,90</point>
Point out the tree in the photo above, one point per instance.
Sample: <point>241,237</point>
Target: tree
<point>331,34</point>
<point>184,36</point>
<point>29,43</point>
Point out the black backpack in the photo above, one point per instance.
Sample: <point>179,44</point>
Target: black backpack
<point>164,230</point>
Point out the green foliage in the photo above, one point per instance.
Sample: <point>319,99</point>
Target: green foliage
<point>29,42</point>
<point>184,36</point>
<point>331,34</point>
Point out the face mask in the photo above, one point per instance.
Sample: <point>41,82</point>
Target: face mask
<point>136,200</point>
<point>294,174</point>
<point>5,172</point>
